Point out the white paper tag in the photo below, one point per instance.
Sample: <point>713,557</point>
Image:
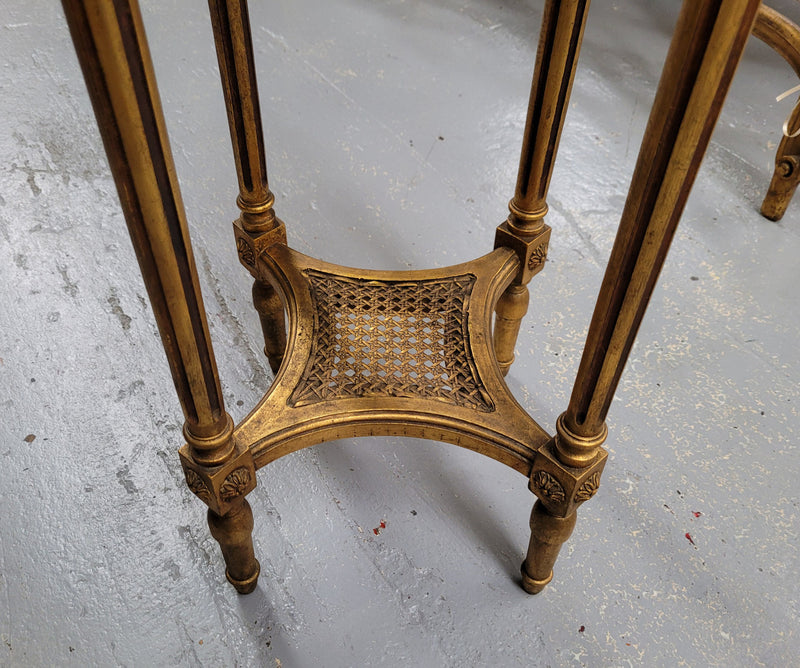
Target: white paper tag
<point>780,97</point>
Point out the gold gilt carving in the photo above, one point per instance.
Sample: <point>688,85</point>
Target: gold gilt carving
<point>403,353</point>
<point>589,488</point>
<point>783,35</point>
<point>548,486</point>
<point>235,484</point>
<point>246,254</point>
<point>538,257</point>
<point>197,486</point>
<point>391,339</point>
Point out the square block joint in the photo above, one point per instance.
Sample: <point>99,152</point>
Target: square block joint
<point>532,251</point>
<point>560,488</point>
<point>250,246</point>
<point>220,486</point>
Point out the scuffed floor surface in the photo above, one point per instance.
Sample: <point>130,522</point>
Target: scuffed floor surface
<point>393,130</point>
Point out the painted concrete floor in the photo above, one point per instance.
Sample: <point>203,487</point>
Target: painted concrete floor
<point>393,129</point>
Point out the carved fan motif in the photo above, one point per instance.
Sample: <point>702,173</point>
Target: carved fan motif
<point>246,253</point>
<point>538,257</point>
<point>549,486</point>
<point>589,488</point>
<point>235,484</point>
<point>197,485</point>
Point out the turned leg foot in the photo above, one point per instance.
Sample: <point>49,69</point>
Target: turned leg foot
<point>782,187</point>
<point>511,308</point>
<point>234,533</point>
<point>270,312</point>
<point>548,534</point>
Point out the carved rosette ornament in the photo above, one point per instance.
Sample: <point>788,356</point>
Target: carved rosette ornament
<point>197,486</point>
<point>538,257</point>
<point>234,484</point>
<point>246,253</point>
<point>548,486</point>
<point>589,488</point>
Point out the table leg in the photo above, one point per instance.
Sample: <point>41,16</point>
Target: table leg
<point>782,35</point>
<point>706,47</point>
<point>233,532</point>
<point>525,230</point>
<point>257,225</point>
<point>112,50</point>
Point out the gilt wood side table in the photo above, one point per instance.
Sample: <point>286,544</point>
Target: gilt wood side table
<point>419,353</point>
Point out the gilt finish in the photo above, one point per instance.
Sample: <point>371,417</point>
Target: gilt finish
<point>436,380</point>
<point>361,352</point>
<point>525,231</point>
<point>230,22</point>
<point>783,35</point>
<point>706,47</point>
<point>391,339</point>
<point>112,50</point>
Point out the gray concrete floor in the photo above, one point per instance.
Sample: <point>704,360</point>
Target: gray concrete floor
<point>393,131</point>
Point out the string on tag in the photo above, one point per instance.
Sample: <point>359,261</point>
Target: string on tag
<point>780,97</point>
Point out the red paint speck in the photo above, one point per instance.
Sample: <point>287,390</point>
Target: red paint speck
<point>689,538</point>
<point>383,524</point>
<point>697,513</point>
<point>377,531</point>
<point>581,629</point>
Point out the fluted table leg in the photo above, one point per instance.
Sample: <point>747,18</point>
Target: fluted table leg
<point>257,226</point>
<point>525,230</point>
<point>706,47</point>
<point>111,46</point>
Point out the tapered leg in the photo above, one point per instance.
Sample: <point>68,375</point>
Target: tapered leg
<point>525,230</point>
<point>270,312</point>
<point>111,46</point>
<point>548,534</point>
<point>785,177</point>
<point>511,308</point>
<point>257,227</point>
<point>233,531</point>
<point>706,47</point>
<point>782,35</point>
<point>231,24</point>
